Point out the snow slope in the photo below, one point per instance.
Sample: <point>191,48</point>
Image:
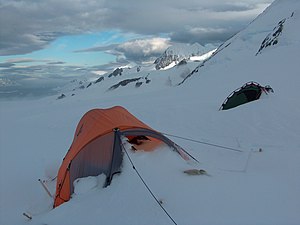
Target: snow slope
<point>248,187</point>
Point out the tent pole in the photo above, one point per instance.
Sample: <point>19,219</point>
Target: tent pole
<point>110,175</point>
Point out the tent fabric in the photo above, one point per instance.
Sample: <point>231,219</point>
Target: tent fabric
<point>250,91</point>
<point>97,147</point>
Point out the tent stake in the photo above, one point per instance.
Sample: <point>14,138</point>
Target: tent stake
<point>45,188</point>
<point>247,162</point>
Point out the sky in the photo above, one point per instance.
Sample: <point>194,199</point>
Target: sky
<point>54,38</point>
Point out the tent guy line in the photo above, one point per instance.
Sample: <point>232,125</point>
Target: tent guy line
<point>146,185</point>
<point>203,142</point>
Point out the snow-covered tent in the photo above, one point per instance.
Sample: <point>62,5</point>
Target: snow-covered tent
<point>97,147</point>
<point>250,91</point>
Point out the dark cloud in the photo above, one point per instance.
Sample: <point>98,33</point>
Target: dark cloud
<point>30,25</point>
<point>172,17</point>
<point>203,35</point>
<point>6,64</point>
<point>237,7</point>
<point>13,63</point>
<point>56,63</point>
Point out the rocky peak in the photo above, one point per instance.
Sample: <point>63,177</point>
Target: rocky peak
<point>177,53</point>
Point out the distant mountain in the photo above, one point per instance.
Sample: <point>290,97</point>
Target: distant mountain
<point>174,65</point>
<point>176,53</point>
<point>5,82</point>
<point>250,52</point>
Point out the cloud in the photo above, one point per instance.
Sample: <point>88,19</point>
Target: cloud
<point>56,63</point>
<point>203,35</point>
<point>22,60</point>
<point>172,17</point>
<point>6,64</point>
<point>98,48</point>
<point>239,6</point>
<point>10,63</point>
<point>30,25</point>
<point>139,50</point>
<point>27,63</point>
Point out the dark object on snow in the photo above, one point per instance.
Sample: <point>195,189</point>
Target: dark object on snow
<point>99,80</point>
<point>89,85</point>
<point>195,172</point>
<point>268,89</point>
<point>27,215</point>
<point>250,91</point>
<point>182,62</point>
<point>61,96</point>
<point>272,38</point>
<point>147,79</point>
<point>138,84</point>
<point>123,83</point>
<point>116,72</point>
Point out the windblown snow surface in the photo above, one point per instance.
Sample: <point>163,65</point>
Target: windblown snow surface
<point>253,186</point>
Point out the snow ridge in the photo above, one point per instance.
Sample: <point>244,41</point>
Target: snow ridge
<point>177,53</point>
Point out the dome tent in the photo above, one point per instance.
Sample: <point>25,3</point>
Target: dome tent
<point>250,91</point>
<point>97,147</point>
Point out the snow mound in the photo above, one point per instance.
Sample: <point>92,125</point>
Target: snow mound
<point>85,184</point>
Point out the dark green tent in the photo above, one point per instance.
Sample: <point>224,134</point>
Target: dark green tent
<point>250,91</point>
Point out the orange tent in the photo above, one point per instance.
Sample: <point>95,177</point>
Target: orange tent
<point>97,147</point>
